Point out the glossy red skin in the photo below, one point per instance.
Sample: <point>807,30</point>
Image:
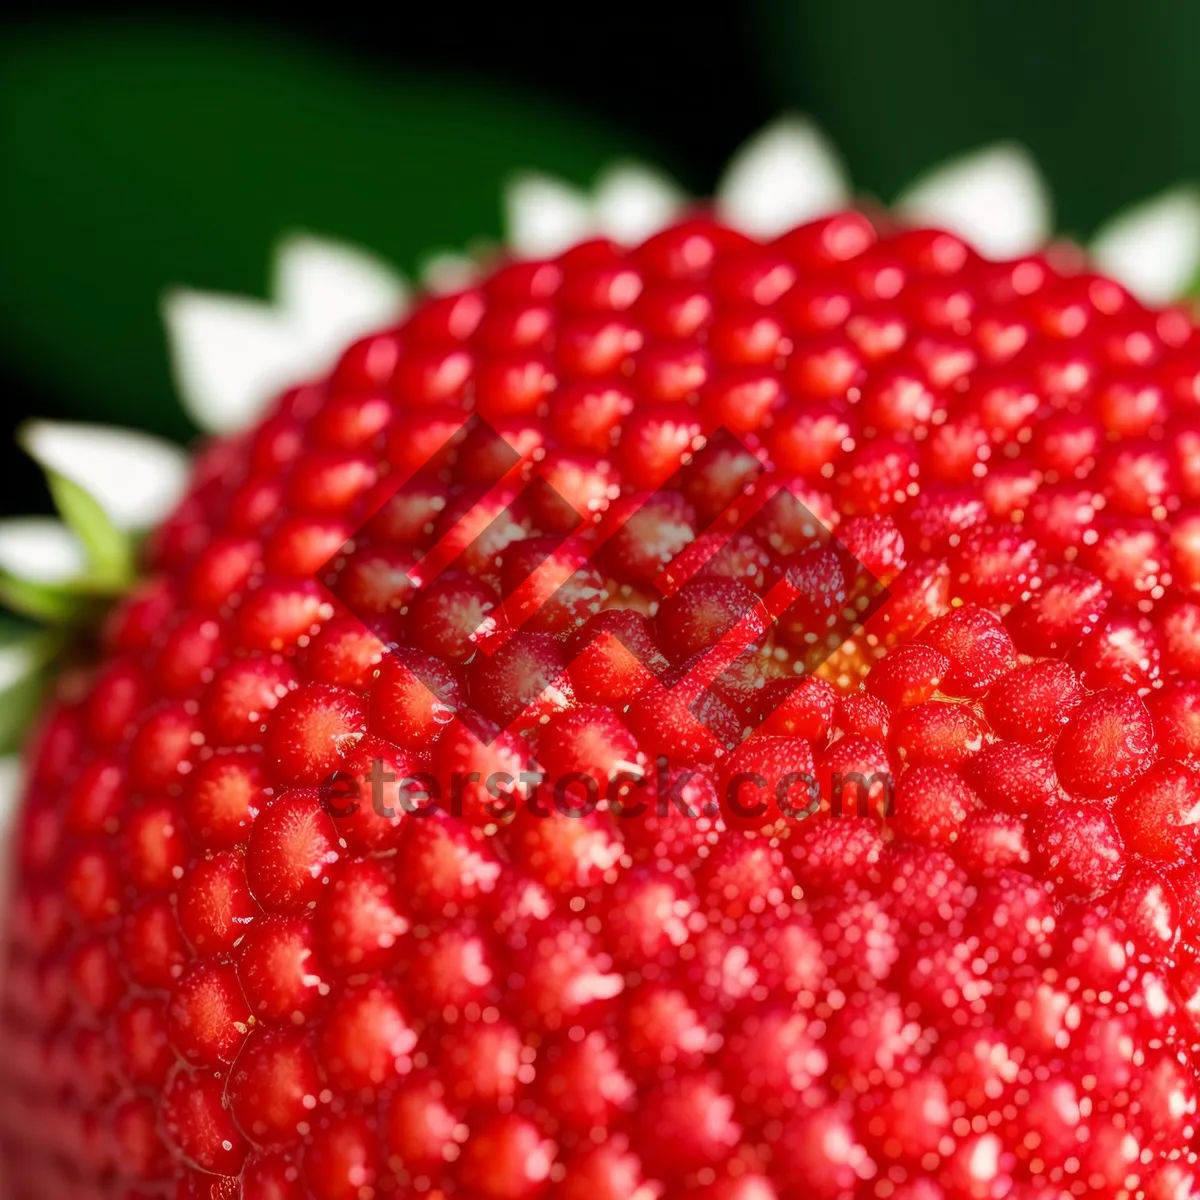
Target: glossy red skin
<point>974,976</point>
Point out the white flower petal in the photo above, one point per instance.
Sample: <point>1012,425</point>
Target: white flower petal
<point>996,198</point>
<point>633,202</point>
<point>40,549</point>
<point>448,272</point>
<point>1154,247</point>
<point>135,478</point>
<point>545,216</point>
<point>230,355</point>
<point>332,293</point>
<point>785,175</point>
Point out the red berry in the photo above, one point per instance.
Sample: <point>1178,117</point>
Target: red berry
<point>214,903</point>
<point>365,1038</point>
<point>1013,778</point>
<point>908,676</point>
<point>291,850</point>
<point>341,1158</point>
<point>1081,850</point>
<point>278,970</point>
<point>206,1019</point>
<point>613,656</point>
<point>420,1128</point>
<point>522,682</point>
<point>1157,813</point>
<point>932,804</point>
<point>412,697</point>
<point>358,921</point>
<point>312,732</point>
<point>198,1126</point>
<point>240,697</point>
<point>588,740</point>
<point>1107,743</point>
<point>222,797</point>
<point>977,646</point>
<point>711,718</point>
<point>797,708</point>
<point>701,613</point>
<point>1033,702</point>
<point>507,1159</point>
<point>274,1086</point>
<point>933,733</point>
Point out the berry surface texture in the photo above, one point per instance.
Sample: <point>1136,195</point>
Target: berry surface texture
<point>714,718</point>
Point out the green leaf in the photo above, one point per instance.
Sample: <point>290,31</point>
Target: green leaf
<point>22,691</point>
<point>14,629</point>
<point>46,603</point>
<point>19,706</point>
<point>1108,102</point>
<point>25,655</point>
<point>110,552</point>
<point>139,155</point>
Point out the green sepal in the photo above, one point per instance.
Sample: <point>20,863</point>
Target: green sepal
<point>21,699</point>
<point>54,620</point>
<point>19,706</point>
<point>45,603</point>
<point>109,552</point>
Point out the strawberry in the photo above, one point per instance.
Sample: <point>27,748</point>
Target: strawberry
<point>718,718</point>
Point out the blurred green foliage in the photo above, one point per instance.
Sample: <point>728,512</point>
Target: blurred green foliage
<point>137,156</point>
<point>1106,94</point>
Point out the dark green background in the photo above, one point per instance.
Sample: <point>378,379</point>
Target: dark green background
<point>138,153</point>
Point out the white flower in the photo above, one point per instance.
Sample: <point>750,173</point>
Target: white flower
<point>1154,247</point>
<point>784,176</point>
<point>545,215</point>
<point>995,198</point>
<point>134,476</point>
<point>40,549</point>
<point>231,354</point>
<point>630,202</point>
